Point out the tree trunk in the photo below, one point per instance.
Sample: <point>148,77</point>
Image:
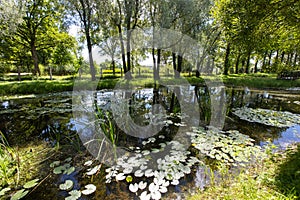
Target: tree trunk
<point>270,57</point>
<point>154,63</point>
<point>243,64</point>
<point>237,63</point>
<point>291,59</point>
<point>264,60</point>
<point>255,66</point>
<point>226,62</point>
<point>198,69</point>
<point>113,66</point>
<point>122,48</point>
<point>35,60</point>
<point>128,54</point>
<point>248,63</point>
<point>295,59</point>
<point>158,64</point>
<point>89,45</point>
<point>282,57</point>
<point>174,64</point>
<point>179,66</point>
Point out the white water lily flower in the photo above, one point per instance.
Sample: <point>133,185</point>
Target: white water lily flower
<point>138,173</point>
<point>145,196</point>
<point>120,176</point>
<point>142,185</point>
<point>133,187</point>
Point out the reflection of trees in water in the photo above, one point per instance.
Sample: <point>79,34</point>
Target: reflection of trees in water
<point>33,118</point>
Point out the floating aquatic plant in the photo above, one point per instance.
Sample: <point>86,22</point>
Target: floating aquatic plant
<point>268,117</point>
<point>67,185</point>
<point>62,169</point>
<point>75,194</point>
<point>19,194</point>
<point>89,189</point>
<point>31,184</point>
<point>139,170</point>
<point>231,147</point>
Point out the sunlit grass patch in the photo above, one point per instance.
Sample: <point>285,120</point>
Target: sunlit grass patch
<point>271,178</point>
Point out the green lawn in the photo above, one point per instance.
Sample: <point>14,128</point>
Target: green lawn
<point>43,85</point>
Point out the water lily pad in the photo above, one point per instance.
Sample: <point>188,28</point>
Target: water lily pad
<point>59,169</point>
<point>94,170</point>
<point>69,170</point>
<point>268,117</point>
<point>145,196</point>
<point>75,194</point>
<point>138,173</point>
<point>133,187</point>
<point>142,185</point>
<point>90,188</point>
<point>55,163</point>
<point>68,159</point>
<point>120,177</point>
<point>67,185</point>
<point>31,183</point>
<point>149,173</point>
<point>19,194</point>
<point>4,190</point>
<point>88,163</point>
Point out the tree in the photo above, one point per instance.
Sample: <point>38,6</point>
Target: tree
<point>86,12</point>
<point>11,13</point>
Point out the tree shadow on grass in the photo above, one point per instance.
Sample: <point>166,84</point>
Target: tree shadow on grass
<point>288,173</point>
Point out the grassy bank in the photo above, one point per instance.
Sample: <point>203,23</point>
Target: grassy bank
<point>42,85</point>
<point>277,177</point>
<point>259,81</point>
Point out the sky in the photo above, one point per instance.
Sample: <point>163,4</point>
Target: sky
<point>73,30</point>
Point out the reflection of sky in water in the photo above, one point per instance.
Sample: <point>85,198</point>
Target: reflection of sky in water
<point>289,136</point>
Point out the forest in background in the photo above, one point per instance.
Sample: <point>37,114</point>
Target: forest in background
<point>237,36</point>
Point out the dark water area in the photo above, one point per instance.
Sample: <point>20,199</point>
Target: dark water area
<point>49,118</point>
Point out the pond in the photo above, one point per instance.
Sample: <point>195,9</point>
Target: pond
<point>141,129</point>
